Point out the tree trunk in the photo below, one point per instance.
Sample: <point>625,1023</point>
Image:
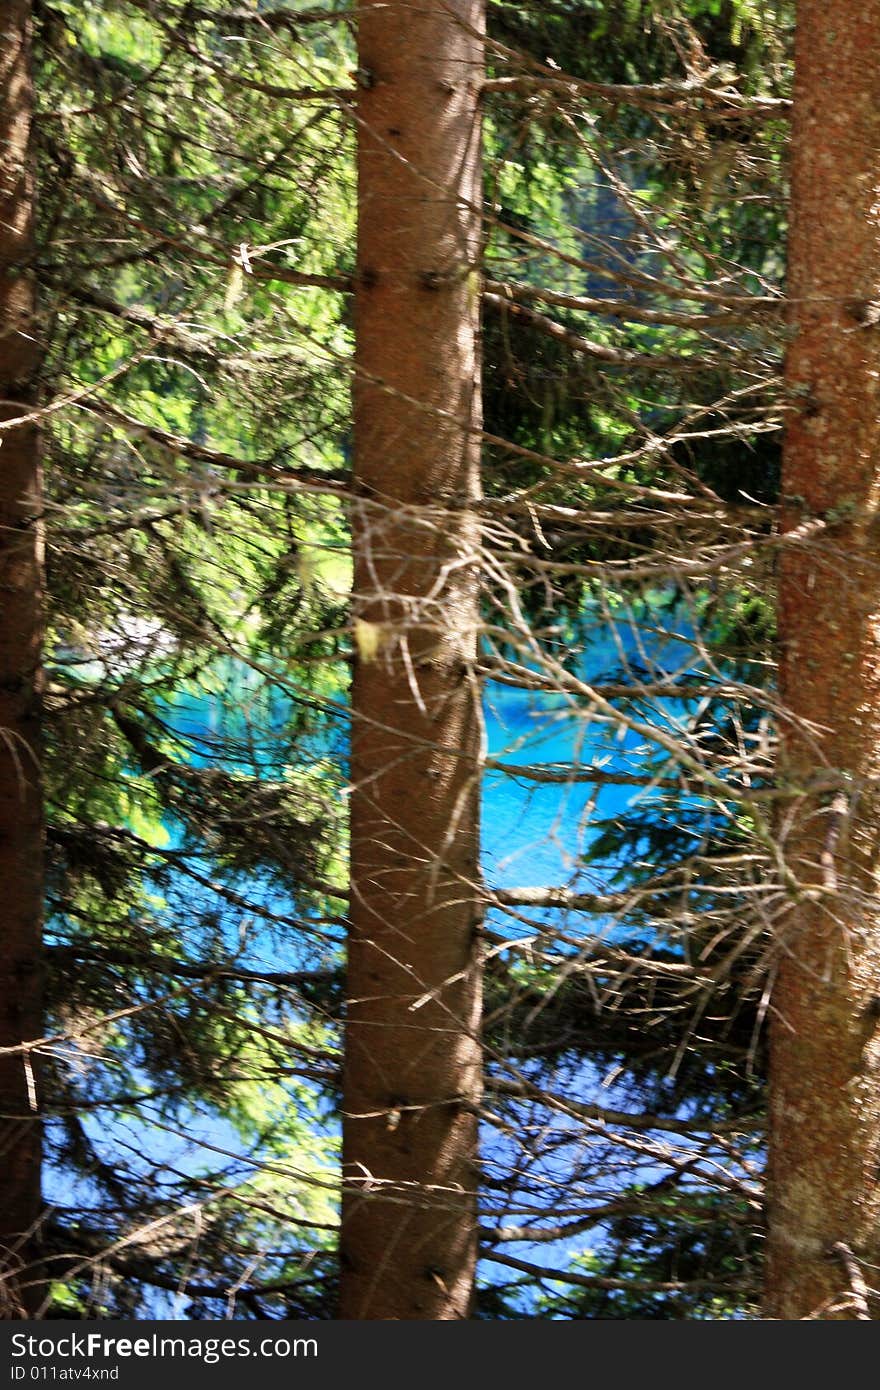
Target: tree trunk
<point>824,1142</point>
<point>21,809</point>
<point>412,1064</point>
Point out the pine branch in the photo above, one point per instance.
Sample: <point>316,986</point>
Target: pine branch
<point>600,1281</point>
<point>188,970</point>
<point>617,357</point>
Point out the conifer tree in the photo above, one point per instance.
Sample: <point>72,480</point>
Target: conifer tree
<point>413,1064</point>
<point>824,1121</point>
<point>21,619</point>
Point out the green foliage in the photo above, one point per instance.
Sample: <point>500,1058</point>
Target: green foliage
<point>199,646</point>
<point>192,774</point>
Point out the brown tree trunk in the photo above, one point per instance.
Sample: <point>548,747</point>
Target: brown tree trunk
<point>412,1064</point>
<point>21,810</point>
<point>824,1142</point>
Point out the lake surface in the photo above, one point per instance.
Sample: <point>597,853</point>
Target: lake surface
<point>532,835</point>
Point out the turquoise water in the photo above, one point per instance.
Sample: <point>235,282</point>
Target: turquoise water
<point>532,835</point>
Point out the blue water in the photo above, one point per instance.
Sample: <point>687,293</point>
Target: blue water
<point>533,835</point>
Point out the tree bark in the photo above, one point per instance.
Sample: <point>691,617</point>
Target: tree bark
<point>824,1138</point>
<point>412,1063</point>
<point>21,804</point>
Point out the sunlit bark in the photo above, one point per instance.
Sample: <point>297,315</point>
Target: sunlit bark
<point>412,1070</point>
<point>824,1196</point>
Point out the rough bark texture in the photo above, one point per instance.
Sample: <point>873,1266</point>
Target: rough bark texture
<point>412,1067</point>
<point>823,1191</point>
<point>21,832</point>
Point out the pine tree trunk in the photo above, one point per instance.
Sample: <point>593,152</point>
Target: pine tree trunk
<point>412,1065</point>
<point>824,1142</point>
<point>21,812</point>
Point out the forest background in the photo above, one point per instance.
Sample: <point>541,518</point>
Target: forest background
<point>273,565</point>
